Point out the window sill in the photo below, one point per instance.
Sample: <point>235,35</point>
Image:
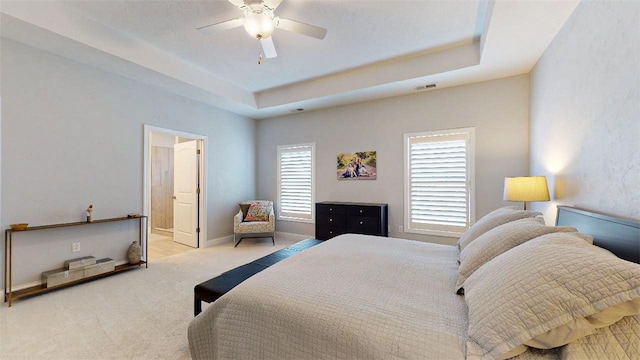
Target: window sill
<point>449,234</point>
<point>300,220</point>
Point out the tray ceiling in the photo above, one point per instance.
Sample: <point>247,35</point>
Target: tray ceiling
<point>373,49</point>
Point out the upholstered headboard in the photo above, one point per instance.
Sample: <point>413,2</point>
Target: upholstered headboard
<point>620,236</point>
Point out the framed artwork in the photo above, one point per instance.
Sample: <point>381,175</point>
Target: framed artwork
<point>357,166</point>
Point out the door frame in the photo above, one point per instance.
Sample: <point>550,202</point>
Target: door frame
<point>146,181</point>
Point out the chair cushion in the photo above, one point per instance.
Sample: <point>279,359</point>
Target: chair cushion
<point>258,211</point>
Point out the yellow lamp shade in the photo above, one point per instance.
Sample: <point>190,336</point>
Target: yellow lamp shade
<point>526,188</point>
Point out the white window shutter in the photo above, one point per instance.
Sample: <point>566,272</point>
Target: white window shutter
<point>295,182</point>
<point>438,182</point>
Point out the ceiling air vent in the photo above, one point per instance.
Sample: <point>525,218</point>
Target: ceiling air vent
<point>424,87</point>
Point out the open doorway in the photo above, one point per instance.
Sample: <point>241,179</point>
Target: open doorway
<point>174,191</point>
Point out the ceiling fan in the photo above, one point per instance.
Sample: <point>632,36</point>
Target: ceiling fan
<point>259,21</point>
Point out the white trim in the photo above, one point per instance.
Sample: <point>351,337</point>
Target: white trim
<point>203,146</point>
<point>470,178</point>
<point>228,240</point>
<point>219,241</point>
<point>279,216</point>
<point>291,236</point>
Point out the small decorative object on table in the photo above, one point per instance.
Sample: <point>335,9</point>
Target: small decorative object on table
<point>89,211</point>
<point>18,227</point>
<point>134,254</point>
<point>133,215</point>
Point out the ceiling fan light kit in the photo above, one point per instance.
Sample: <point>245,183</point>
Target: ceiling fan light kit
<point>259,22</point>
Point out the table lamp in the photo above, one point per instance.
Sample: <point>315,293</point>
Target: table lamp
<point>526,188</point>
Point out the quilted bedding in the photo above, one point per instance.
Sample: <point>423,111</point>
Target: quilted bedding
<point>365,297</point>
<point>620,341</point>
<point>353,297</point>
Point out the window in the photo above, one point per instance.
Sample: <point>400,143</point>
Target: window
<point>296,182</point>
<point>439,187</point>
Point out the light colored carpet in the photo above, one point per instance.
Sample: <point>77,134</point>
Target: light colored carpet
<point>139,314</point>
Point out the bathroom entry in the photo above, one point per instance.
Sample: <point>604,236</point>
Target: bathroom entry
<point>174,192</point>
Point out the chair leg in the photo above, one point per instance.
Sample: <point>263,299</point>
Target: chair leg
<point>234,241</point>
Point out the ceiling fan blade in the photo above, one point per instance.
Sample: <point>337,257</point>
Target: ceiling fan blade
<point>225,25</point>
<point>300,28</point>
<point>238,3</point>
<point>268,48</point>
<point>272,4</point>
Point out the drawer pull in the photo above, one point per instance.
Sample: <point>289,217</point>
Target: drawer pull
<point>330,209</point>
<point>360,222</point>
<point>330,219</point>
<point>360,211</point>
<point>330,232</point>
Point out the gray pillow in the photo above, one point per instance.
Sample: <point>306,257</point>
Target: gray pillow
<point>498,240</point>
<point>547,292</point>
<point>495,218</point>
<point>245,208</point>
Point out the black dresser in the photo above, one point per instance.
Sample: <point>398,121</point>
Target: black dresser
<point>335,218</point>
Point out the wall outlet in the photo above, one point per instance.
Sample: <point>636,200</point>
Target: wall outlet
<point>75,247</point>
<point>400,228</point>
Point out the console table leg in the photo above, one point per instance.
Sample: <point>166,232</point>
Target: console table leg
<point>6,259</point>
<point>10,275</point>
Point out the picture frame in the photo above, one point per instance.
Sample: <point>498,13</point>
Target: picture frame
<point>360,165</point>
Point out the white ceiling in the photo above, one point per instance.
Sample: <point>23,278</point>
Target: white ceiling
<point>373,48</point>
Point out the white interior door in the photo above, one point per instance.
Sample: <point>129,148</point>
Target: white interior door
<point>185,192</point>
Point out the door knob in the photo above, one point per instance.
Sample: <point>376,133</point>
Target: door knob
<point>174,197</point>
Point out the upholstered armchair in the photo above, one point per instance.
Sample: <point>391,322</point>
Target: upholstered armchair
<point>255,217</point>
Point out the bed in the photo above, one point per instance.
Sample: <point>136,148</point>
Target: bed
<point>367,297</point>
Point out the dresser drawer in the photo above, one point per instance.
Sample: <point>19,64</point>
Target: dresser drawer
<point>330,209</point>
<point>364,211</point>
<point>327,232</point>
<point>363,225</point>
<point>331,220</point>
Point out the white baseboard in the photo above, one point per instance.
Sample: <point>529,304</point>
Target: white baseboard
<point>291,236</point>
<point>15,288</point>
<point>219,241</point>
<point>279,235</point>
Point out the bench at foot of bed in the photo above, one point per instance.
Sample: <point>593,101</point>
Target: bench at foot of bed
<point>212,289</point>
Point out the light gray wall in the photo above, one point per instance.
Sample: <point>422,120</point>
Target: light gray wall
<point>498,109</point>
<point>585,111</point>
<point>72,135</point>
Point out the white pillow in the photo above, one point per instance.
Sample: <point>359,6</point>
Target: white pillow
<point>555,282</point>
<point>498,240</point>
<point>495,218</point>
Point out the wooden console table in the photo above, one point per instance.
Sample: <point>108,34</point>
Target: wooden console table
<point>9,294</point>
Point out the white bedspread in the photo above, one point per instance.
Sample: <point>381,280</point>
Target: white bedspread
<point>620,341</point>
<point>352,297</point>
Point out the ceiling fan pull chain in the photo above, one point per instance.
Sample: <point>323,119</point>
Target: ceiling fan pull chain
<point>259,54</point>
